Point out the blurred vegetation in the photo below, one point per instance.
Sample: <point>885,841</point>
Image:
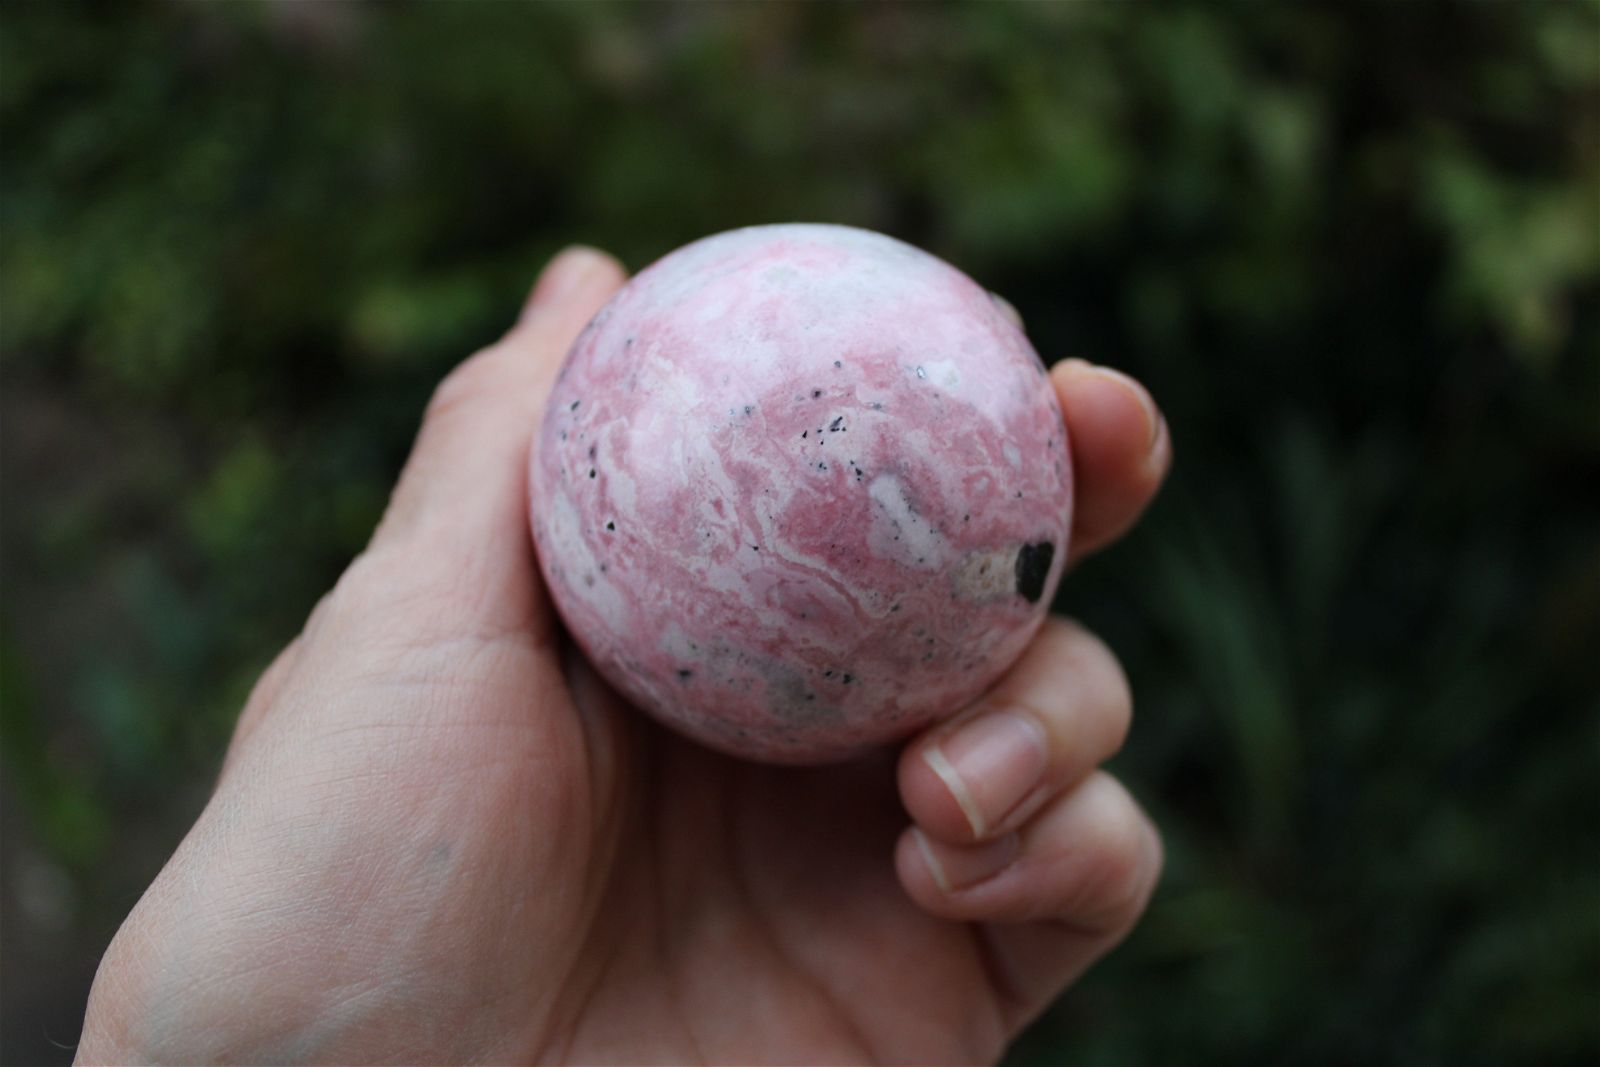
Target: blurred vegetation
<point>1356,253</point>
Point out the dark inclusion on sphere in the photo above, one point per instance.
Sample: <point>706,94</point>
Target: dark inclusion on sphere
<point>1033,568</point>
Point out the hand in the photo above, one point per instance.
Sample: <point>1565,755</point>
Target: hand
<point>439,837</point>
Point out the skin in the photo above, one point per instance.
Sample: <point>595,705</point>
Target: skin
<point>438,837</point>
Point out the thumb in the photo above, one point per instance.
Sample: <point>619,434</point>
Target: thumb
<point>464,489</point>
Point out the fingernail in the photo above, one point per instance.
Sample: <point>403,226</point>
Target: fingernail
<point>955,868</point>
<point>989,764</point>
<point>564,275</point>
<point>1008,309</point>
<point>1152,414</point>
<point>1154,422</point>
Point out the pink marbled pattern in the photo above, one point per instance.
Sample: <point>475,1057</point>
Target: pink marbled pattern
<point>782,485</point>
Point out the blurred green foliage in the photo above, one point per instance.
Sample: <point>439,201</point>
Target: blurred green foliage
<point>1355,252</point>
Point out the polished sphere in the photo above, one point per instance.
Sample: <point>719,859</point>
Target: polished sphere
<point>801,490</point>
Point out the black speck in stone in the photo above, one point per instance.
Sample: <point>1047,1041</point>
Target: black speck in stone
<point>574,406</point>
<point>756,547</point>
<point>966,518</point>
<point>685,673</point>
<point>563,435</point>
<point>838,363</point>
<point>847,679</point>
<point>749,409</point>
<point>1033,567</point>
<point>822,466</point>
<point>610,525</point>
<point>815,393</point>
<point>827,674</point>
<point>591,451</point>
<point>591,472</point>
<point>805,433</point>
<point>833,427</point>
<point>894,607</point>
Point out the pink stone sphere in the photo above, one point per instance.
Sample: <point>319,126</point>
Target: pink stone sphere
<point>801,490</point>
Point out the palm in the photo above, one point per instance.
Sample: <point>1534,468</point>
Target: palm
<point>613,892</point>
<point>749,912</point>
<point>652,898</point>
<point>753,913</point>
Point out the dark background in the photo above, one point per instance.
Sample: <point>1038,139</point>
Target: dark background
<point>1354,251</point>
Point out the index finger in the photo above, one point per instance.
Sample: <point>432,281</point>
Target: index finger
<point>467,471</point>
<point>1121,450</point>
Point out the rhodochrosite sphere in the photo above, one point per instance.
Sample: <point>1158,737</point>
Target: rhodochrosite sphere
<point>801,490</point>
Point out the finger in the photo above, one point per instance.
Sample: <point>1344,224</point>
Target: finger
<point>1121,449</point>
<point>1060,712</point>
<point>1054,896</point>
<point>465,479</point>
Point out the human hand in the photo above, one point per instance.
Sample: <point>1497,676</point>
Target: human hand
<point>438,836</point>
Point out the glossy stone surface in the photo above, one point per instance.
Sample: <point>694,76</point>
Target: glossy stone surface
<point>801,490</point>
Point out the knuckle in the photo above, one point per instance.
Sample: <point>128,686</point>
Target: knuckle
<point>1117,704</point>
<point>319,613</point>
<point>389,600</point>
<point>375,584</point>
<point>1107,692</point>
<point>369,572</point>
<point>272,678</point>
<point>461,388</point>
<point>1124,863</point>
